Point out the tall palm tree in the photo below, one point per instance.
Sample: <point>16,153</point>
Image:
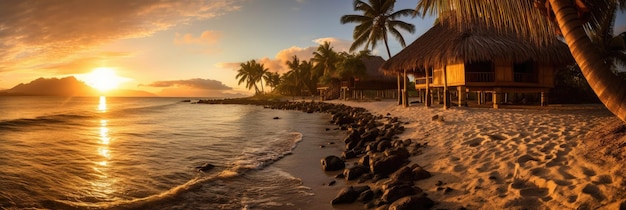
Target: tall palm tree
<point>251,73</point>
<point>375,23</point>
<point>573,20</point>
<point>295,73</point>
<point>324,60</point>
<point>272,79</point>
<point>309,80</point>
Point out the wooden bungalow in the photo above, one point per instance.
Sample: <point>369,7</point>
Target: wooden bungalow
<point>383,86</point>
<point>476,59</point>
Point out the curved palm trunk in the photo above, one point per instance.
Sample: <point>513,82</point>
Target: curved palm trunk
<point>608,87</point>
<point>400,96</point>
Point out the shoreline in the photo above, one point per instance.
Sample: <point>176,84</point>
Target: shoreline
<point>542,165</point>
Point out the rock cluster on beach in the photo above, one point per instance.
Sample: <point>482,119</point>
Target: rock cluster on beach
<point>379,174</point>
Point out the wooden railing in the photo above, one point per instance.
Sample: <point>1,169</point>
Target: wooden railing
<point>524,77</point>
<point>480,76</point>
<point>422,80</point>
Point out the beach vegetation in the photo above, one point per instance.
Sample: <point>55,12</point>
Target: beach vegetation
<point>377,19</point>
<point>251,73</point>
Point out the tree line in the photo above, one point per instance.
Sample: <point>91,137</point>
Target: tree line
<point>303,76</point>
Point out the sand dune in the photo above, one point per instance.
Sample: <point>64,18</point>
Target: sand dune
<point>511,158</point>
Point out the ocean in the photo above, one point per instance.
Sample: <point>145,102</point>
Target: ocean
<point>142,153</point>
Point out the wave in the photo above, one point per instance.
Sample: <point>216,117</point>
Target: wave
<point>21,123</point>
<point>276,147</point>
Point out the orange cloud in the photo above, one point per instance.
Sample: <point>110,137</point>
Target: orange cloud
<point>278,63</point>
<point>206,38</point>
<point>35,33</point>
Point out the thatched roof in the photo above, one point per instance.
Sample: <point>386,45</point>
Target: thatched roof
<point>446,43</point>
<point>372,68</point>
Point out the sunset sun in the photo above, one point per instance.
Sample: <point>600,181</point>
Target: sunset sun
<point>103,79</point>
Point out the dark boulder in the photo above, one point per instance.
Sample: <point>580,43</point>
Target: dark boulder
<point>386,165</point>
<point>383,145</point>
<point>355,172</point>
<point>364,160</point>
<point>348,154</point>
<point>346,195</point>
<point>332,163</point>
<point>401,151</point>
<point>366,196</point>
<point>396,192</point>
<point>370,135</point>
<point>404,174</point>
<point>419,173</point>
<point>415,202</point>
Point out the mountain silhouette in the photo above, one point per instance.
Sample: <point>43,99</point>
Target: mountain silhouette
<point>68,86</point>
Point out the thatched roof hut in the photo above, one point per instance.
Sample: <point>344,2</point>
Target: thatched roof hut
<point>374,79</point>
<point>446,43</point>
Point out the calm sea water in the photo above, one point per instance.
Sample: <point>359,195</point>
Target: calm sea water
<point>64,153</point>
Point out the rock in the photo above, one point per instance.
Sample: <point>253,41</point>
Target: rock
<point>355,172</point>
<point>396,192</point>
<point>276,118</point>
<point>366,196</point>
<point>348,154</point>
<point>205,167</point>
<point>364,161</point>
<point>370,135</point>
<point>404,174</point>
<point>383,145</point>
<point>419,173</point>
<point>415,202</point>
<point>402,152</point>
<point>331,183</point>
<point>386,165</point>
<point>332,163</point>
<point>346,195</point>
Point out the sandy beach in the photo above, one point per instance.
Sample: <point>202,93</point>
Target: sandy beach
<point>482,158</point>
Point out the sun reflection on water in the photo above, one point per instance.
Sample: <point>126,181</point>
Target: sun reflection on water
<point>103,187</point>
<point>102,106</point>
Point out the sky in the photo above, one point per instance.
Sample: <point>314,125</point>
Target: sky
<point>173,48</point>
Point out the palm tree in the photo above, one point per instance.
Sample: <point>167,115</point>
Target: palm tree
<point>324,60</point>
<point>350,65</point>
<point>251,72</point>
<point>306,76</point>
<point>295,74</point>
<point>378,20</point>
<point>573,20</point>
<point>272,79</point>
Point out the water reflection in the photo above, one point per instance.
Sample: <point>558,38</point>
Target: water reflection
<point>103,187</point>
<point>102,106</point>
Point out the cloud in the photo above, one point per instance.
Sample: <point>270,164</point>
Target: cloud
<point>278,63</point>
<point>85,63</point>
<point>34,32</point>
<point>196,83</point>
<point>338,45</point>
<point>206,38</point>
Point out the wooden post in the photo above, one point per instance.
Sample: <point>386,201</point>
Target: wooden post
<point>543,99</point>
<point>405,94</point>
<point>427,99</point>
<point>479,97</point>
<point>462,94</point>
<point>399,91</point>
<point>446,94</point>
<point>495,98</point>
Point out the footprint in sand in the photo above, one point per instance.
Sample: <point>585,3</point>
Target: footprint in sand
<point>602,179</point>
<point>474,142</point>
<point>594,191</point>
<point>588,172</point>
